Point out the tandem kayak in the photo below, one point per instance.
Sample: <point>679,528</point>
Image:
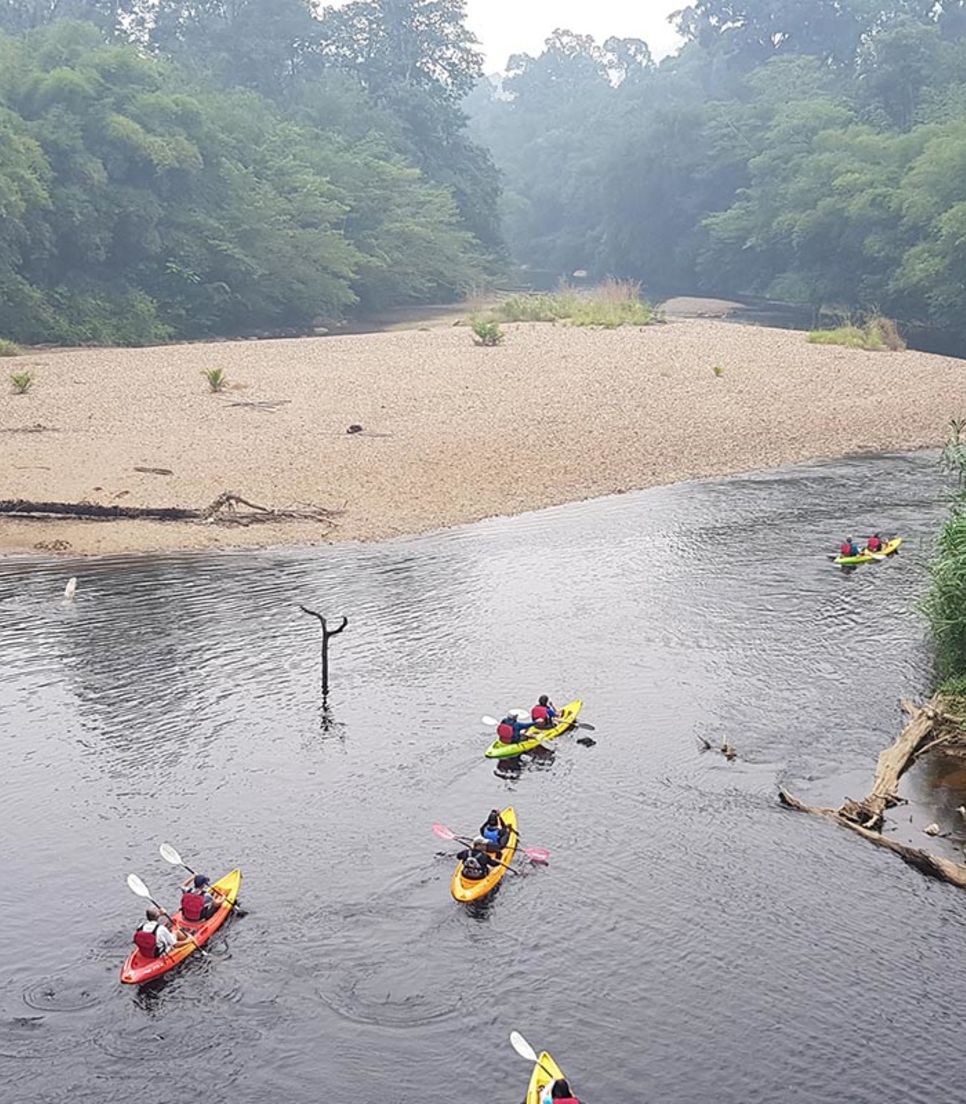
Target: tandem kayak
<point>472,889</point>
<point>139,968</point>
<point>545,1072</point>
<point>568,716</point>
<point>865,556</point>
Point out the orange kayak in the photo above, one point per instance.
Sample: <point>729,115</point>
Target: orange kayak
<point>472,889</point>
<point>139,968</point>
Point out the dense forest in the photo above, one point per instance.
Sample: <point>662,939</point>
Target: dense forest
<point>181,168</point>
<point>808,150</point>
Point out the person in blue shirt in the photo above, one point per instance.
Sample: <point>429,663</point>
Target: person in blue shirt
<point>510,730</point>
<point>848,548</point>
<point>495,832</point>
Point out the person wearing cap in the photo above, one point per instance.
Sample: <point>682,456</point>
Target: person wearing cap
<point>476,860</point>
<point>198,902</point>
<point>155,937</point>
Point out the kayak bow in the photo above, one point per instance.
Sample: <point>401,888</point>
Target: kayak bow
<point>544,1073</point>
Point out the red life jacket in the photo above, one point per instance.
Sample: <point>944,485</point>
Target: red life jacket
<point>846,549</point>
<point>146,941</point>
<point>539,713</point>
<point>192,905</point>
<point>874,544</point>
<point>506,732</point>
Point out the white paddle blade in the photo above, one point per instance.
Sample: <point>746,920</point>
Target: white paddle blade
<point>519,713</point>
<point>169,854</point>
<point>71,589</point>
<point>492,722</point>
<point>135,884</point>
<point>522,1047</point>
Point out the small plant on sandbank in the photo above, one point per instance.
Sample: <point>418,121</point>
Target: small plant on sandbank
<point>612,304</point>
<point>217,380</point>
<point>486,332</point>
<point>8,348</point>
<point>22,382</point>
<point>876,334</point>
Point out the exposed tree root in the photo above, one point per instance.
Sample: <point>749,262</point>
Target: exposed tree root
<point>929,726</point>
<point>224,510</point>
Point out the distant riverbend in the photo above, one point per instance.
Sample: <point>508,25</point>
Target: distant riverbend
<point>450,433</point>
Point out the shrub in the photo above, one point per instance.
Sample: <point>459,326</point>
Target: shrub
<point>613,303</point>
<point>22,382</point>
<point>217,380</point>
<point>8,348</point>
<point>875,335</point>
<point>486,333</point>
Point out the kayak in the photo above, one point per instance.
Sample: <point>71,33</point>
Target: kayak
<point>865,556</point>
<point>139,968</point>
<point>542,1077</point>
<point>472,889</point>
<point>568,716</point>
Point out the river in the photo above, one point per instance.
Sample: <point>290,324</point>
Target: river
<point>689,942</point>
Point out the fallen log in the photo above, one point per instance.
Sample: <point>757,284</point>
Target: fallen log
<point>866,817</point>
<point>224,510</point>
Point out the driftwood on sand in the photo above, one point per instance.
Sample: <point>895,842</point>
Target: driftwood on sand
<point>929,727</point>
<point>228,508</point>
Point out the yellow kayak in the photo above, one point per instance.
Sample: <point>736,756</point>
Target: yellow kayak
<point>542,1077</point>
<point>865,556</point>
<point>472,889</point>
<point>568,715</point>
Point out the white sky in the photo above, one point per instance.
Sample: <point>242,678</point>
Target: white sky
<point>506,27</point>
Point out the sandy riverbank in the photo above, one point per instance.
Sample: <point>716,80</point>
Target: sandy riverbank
<point>453,432</point>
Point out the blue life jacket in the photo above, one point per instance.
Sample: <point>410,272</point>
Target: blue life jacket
<point>492,834</point>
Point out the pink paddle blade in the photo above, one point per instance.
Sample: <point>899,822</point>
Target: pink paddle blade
<point>537,854</point>
<point>443,832</point>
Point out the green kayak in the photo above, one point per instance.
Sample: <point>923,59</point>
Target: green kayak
<point>568,717</point>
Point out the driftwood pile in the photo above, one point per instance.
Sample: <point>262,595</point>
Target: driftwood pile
<point>930,727</point>
<point>228,508</point>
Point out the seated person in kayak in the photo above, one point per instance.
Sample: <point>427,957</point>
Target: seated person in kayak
<point>476,860</point>
<point>155,937</point>
<point>560,1092</point>
<point>848,548</point>
<point>510,730</point>
<point>875,543</point>
<point>495,832</point>
<point>198,900</point>
<point>544,713</point>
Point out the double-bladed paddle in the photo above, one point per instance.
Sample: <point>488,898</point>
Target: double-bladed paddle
<point>169,854</point>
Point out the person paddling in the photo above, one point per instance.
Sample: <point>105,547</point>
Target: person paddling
<point>544,713</point>
<point>560,1092</point>
<point>509,730</point>
<point>154,937</point>
<point>849,548</point>
<point>476,860</point>
<point>198,902</point>
<point>495,831</point>
<point>875,543</point>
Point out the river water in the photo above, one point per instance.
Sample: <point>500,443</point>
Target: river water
<point>690,940</point>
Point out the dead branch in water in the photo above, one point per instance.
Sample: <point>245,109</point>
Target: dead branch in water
<point>224,510</point>
<point>866,817</point>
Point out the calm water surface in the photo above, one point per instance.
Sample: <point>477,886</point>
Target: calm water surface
<point>690,941</point>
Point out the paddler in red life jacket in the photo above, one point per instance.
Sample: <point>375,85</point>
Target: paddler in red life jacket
<point>510,730</point>
<point>849,548</point>
<point>196,902</point>
<point>874,543</point>
<point>544,713</point>
<point>155,937</point>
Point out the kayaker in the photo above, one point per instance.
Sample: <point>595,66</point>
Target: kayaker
<point>495,831</point>
<point>509,730</point>
<point>849,548</point>
<point>544,712</point>
<point>476,860</point>
<point>155,937</point>
<point>875,543</point>
<point>560,1091</point>
<point>197,900</point>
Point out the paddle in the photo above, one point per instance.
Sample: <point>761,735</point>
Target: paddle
<point>135,884</point>
<point>169,854</point>
<point>534,854</point>
<point>492,722</point>
<point>523,1048</point>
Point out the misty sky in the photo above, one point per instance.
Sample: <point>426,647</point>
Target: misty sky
<point>507,27</point>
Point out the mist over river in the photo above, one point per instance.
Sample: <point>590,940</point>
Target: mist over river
<point>690,941</point>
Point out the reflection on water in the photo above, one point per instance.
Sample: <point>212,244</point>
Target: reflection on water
<point>689,941</point>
